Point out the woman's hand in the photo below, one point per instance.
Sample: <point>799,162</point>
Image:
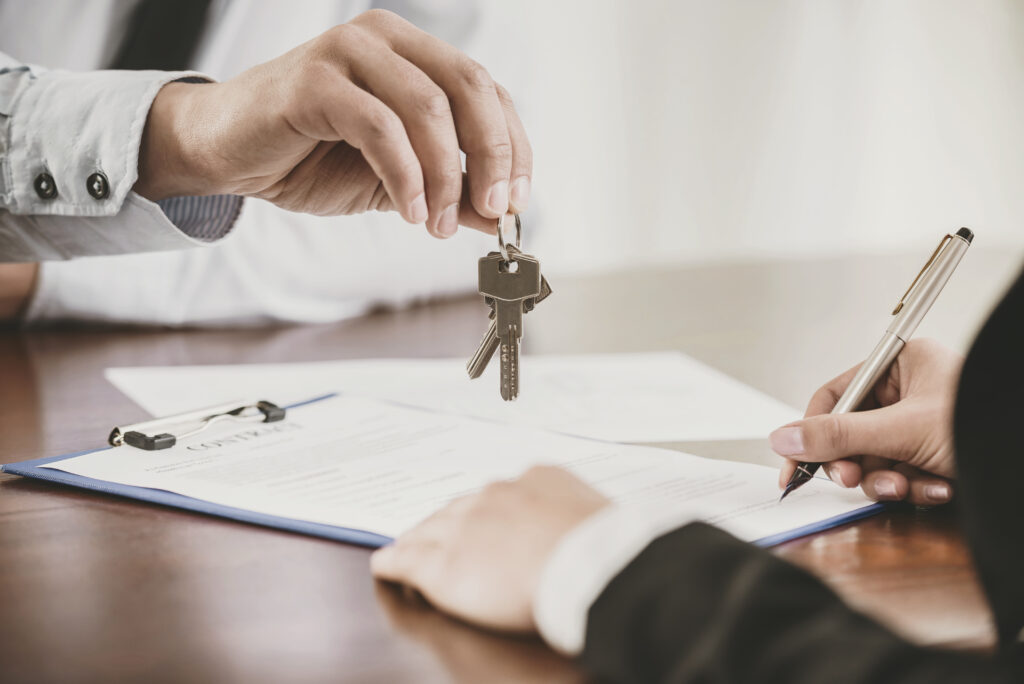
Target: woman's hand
<point>899,447</point>
<point>370,115</point>
<point>480,558</point>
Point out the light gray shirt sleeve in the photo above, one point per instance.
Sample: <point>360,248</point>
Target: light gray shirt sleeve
<point>69,149</point>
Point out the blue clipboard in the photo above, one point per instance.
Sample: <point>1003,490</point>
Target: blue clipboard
<point>33,469</point>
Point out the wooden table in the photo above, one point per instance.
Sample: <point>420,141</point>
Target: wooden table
<point>96,588</point>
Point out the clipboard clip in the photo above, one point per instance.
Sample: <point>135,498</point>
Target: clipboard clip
<point>155,434</point>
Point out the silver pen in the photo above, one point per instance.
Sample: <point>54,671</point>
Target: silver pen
<point>907,315</point>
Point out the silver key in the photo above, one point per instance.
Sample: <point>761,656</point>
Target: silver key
<point>509,284</point>
<point>489,344</point>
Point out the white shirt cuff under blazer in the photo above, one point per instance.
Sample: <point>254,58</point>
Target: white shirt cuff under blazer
<point>585,560</point>
<point>69,151</point>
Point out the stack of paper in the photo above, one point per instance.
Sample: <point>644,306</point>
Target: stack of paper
<point>658,397</point>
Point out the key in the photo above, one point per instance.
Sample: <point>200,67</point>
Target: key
<point>509,284</point>
<point>478,363</point>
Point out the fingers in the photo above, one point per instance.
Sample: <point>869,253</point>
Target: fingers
<point>844,472</point>
<point>819,439</point>
<point>522,154</point>
<point>885,485</point>
<point>898,482</point>
<point>349,113</point>
<point>423,108</point>
<point>481,120</point>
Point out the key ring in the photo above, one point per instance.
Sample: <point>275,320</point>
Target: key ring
<point>501,237</point>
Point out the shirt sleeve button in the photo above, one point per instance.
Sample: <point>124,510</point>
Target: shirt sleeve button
<point>98,186</point>
<point>45,186</point>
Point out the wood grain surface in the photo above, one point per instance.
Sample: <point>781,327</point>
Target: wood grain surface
<point>98,588</point>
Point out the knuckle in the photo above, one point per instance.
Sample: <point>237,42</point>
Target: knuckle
<point>340,36</point>
<point>835,432</point>
<point>475,77</point>
<point>498,150</point>
<point>379,18</point>
<point>448,183</point>
<point>381,124</point>
<point>433,104</point>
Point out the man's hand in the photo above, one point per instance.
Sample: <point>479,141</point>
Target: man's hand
<point>370,115</point>
<point>480,558</point>
<point>902,447</point>
<point>16,284</point>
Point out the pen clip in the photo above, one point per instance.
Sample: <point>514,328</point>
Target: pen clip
<point>924,269</point>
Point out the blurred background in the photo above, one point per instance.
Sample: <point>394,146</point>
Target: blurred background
<point>694,131</point>
<point>670,134</point>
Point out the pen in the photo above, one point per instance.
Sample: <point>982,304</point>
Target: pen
<point>909,311</point>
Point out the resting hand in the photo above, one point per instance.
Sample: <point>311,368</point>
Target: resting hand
<point>480,558</point>
<point>899,447</point>
<point>370,115</point>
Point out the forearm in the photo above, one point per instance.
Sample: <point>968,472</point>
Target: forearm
<point>699,604</point>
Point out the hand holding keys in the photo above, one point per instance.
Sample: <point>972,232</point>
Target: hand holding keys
<point>512,285</point>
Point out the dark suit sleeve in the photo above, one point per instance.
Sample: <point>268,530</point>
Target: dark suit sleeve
<point>698,605</point>
<point>989,435</point>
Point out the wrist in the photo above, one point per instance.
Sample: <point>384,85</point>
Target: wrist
<point>170,158</point>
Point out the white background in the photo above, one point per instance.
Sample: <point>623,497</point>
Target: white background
<point>733,129</point>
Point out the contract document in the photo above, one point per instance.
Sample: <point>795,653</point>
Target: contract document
<point>351,464</point>
<point>654,397</point>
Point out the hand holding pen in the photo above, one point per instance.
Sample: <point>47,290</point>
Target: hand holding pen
<point>896,451</point>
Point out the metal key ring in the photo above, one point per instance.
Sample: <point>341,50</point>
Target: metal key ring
<point>501,236</point>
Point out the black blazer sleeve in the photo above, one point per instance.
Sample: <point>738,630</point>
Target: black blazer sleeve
<point>989,434</point>
<point>700,606</point>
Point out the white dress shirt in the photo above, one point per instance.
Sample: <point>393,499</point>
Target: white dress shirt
<point>275,266</point>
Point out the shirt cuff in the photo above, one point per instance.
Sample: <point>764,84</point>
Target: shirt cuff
<point>206,218</point>
<point>72,139</point>
<point>585,561</point>
<point>140,226</point>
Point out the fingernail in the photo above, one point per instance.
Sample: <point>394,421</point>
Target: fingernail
<point>520,193</point>
<point>938,492</point>
<point>418,209</point>
<point>449,222</point>
<point>497,200</point>
<point>787,441</point>
<point>885,488</point>
<point>832,474</point>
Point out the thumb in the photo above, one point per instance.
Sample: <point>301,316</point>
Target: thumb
<point>828,437</point>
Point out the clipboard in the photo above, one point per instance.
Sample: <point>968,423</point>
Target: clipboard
<point>154,435</point>
<point>154,432</point>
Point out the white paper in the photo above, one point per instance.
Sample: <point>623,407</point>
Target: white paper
<point>656,397</point>
<point>375,466</point>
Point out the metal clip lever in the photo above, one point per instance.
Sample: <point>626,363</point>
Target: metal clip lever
<point>136,435</point>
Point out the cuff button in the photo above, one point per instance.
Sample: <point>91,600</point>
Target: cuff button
<point>98,186</point>
<point>45,186</point>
